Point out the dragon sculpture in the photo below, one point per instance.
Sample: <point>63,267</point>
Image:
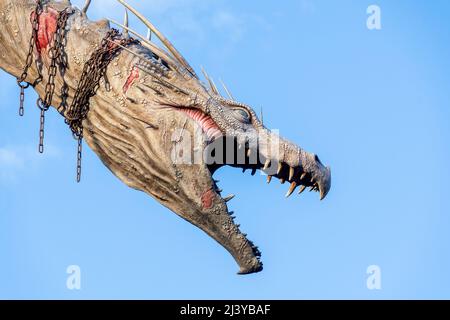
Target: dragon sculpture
<point>144,111</point>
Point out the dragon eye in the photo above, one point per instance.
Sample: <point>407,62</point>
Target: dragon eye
<point>242,114</point>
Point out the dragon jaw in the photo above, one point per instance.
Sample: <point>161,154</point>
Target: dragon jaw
<point>242,142</point>
<point>154,100</point>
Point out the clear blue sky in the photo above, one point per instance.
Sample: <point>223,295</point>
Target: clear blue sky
<point>373,104</point>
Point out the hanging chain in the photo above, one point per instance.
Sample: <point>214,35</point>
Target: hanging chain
<point>30,57</point>
<point>55,53</point>
<point>79,155</point>
<point>94,70</point>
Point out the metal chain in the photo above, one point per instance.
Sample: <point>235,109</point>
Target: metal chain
<point>30,57</point>
<point>94,70</point>
<point>55,53</point>
<point>79,155</point>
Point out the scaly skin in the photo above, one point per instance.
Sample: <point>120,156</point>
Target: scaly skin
<point>152,108</point>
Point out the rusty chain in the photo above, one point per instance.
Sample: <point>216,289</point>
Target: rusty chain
<point>57,58</point>
<point>94,70</point>
<point>30,58</point>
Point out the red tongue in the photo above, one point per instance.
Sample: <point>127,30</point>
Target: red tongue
<point>207,124</point>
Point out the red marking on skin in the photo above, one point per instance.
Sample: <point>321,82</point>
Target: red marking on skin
<point>134,75</point>
<point>207,199</point>
<point>207,124</point>
<point>48,21</point>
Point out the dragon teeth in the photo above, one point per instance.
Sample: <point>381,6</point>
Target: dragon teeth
<point>291,189</point>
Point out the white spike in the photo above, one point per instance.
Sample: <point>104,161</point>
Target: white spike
<point>161,37</point>
<point>149,34</point>
<point>262,116</point>
<point>226,90</point>
<point>211,82</point>
<point>86,6</point>
<point>215,87</point>
<point>125,23</point>
<point>231,196</point>
<point>163,54</point>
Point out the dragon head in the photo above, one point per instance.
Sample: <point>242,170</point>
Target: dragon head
<point>161,130</point>
<point>198,132</point>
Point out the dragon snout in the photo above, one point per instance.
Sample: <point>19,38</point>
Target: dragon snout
<point>302,170</point>
<point>324,181</point>
<point>320,174</point>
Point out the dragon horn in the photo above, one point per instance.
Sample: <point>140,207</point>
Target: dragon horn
<point>161,37</point>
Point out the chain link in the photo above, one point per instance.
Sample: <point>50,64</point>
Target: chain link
<point>21,81</point>
<point>79,156</point>
<point>94,70</point>
<point>56,53</point>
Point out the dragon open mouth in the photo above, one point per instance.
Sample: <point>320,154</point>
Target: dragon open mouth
<point>249,157</point>
<point>229,150</point>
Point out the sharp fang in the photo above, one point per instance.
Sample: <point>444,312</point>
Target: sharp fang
<point>291,173</point>
<point>244,169</point>
<point>280,167</point>
<point>253,171</point>
<point>231,196</point>
<point>311,189</point>
<point>267,164</point>
<point>149,34</point>
<point>269,178</point>
<point>282,181</point>
<point>303,176</point>
<point>302,188</point>
<point>291,189</point>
